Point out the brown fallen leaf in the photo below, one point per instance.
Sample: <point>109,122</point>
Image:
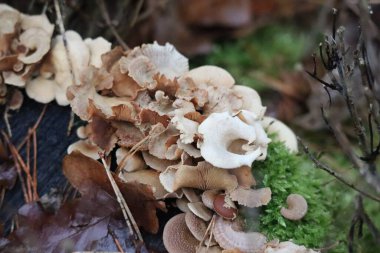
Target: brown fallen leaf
<point>83,172</point>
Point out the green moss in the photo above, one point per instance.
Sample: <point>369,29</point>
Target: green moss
<point>285,173</point>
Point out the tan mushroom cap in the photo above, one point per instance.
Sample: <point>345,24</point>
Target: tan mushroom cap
<point>244,176</point>
<point>251,197</point>
<point>284,133</point>
<point>213,249</point>
<point>40,89</point>
<point>191,195</point>
<point>288,247</point>
<point>97,47</point>
<point>148,177</point>
<point>200,210</point>
<point>228,238</point>
<point>203,176</point>
<point>210,76</point>
<point>134,162</point>
<point>182,204</point>
<point>251,99</point>
<point>196,225</point>
<point>297,207</point>
<point>177,237</point>
<point>208,198</point>
<point>86,148</point>
<point>157,163</point>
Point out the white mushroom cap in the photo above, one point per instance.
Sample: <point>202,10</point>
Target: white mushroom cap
<point>251,99</point>
<point>228,238</point>
<point>218,131</point>
<point>288,247</point>
<point>35,39</point>
<point>210,76</point>
<point>40,89</point>
<point>284,133</point>
<point>97,47</point>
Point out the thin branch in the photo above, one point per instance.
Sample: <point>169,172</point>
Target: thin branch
<point>107,19</point>
<point>324,167</point>
<point>123,204</point>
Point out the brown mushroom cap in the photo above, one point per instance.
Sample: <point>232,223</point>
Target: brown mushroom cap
<point>224,206</point>
<point>196,225</point>
<point>297,207</point>
<point>177,237</point>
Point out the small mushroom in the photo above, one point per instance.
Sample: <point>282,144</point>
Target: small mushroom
<point>208,198</point>
<point>182,204</point>
<point>297,207</point>
<point>191,195</point>
<point>228,238</point>
<point>282,131</point>
<point>38,41</point>
<point>196,225</point>
<point>218,131</point>
<point>213,249</point>
<point>251,99</point>
<point>40,89</point>
<point>210,76</point>
<point>251,197</point>
<point>200,210</point>
<point>86,148</point>
<point>177,237</point>
<point>134,162</point>
<point>288,247</point>
<point>224,206</point>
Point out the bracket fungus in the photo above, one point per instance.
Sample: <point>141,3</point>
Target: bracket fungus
<point>228,238</point>
<point>219,130</point>
<point>297,207</point>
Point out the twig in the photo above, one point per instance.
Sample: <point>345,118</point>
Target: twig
<point>35,165</point>
<point>34,128</point>
<point>71,123</point>
<point>6,121</point>
<point>107,19</point>
<point>324,167</point>
<point>116,241</point>
<point>209,227</point>
<point>123,204</point>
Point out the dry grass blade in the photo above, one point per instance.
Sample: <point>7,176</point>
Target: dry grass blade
<point>123,204</point>
<point>209,229</point>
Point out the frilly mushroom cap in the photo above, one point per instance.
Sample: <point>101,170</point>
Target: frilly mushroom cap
<point>167,59</point>
<point>228,238</point>
<point>177,237</point>
<point>284,133</point>
<point>97,47</point>
<point>218,131</point>
<point>40,89</point>
<point>251,99</point>
<point>288,247</point>
<point>297,207</point>
<point>251,197</point>
<point>37,40</point>
<point>210,76</point>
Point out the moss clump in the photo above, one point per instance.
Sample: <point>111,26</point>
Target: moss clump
<point>286,173</point>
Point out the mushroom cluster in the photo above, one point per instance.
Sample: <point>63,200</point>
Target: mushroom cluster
<point>192,135</point>
<point>24,42</point>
